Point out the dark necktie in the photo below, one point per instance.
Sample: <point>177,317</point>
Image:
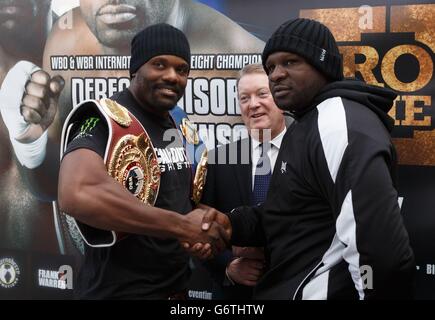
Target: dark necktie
<point>262,176</point>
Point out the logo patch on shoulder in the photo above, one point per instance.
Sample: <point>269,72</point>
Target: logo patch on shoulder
<point>87,127</point>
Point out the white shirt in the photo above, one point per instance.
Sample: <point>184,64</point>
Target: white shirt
<point>272,153</point>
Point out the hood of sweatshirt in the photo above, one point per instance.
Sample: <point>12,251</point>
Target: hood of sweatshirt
<point>379,100</point>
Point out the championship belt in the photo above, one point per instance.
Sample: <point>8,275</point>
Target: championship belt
<point>195,150</point>
<point>130,159</point>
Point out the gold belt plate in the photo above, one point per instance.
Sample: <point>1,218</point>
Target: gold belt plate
<point>200,177</point>
<point>134,164</point>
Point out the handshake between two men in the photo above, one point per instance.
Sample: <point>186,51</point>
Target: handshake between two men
<point>214,235</point>
<point>213,231</point>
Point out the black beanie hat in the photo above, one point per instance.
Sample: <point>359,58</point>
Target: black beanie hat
<point>155,40</point>
<point>311,40</point>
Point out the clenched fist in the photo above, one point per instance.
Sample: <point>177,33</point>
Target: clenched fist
<point>39,103</point>
<point>29,101</point>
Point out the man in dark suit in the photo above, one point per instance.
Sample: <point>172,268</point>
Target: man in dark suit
<point>238,174</point>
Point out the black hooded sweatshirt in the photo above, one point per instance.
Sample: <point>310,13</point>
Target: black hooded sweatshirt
<point>331,224</point>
